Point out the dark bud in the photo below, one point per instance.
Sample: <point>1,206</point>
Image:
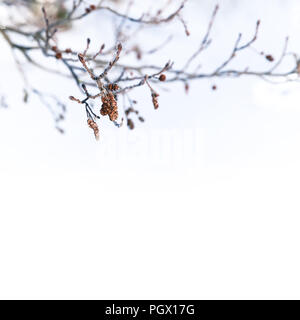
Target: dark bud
<point>58,55</point>
<point>162,77</point>
<point>130,124</point>
<point>269,58</point>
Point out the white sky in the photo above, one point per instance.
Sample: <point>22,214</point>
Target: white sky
<point>201,201</point>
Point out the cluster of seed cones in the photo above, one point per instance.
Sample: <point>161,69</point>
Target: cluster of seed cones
<point>109,106</point>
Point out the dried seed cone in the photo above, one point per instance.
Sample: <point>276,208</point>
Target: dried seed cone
<point>155,100</point>
<point>113,116</point>
<point>109,106</point>
<point>113,87</point>
<point>104,110</point>
<point>93,125</point>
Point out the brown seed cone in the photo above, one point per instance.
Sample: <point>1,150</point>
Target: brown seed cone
<point>109,106</point>
<point>113,116</point>
<point>93,125</point>
<point>104,111</point>
<point>154,100</point>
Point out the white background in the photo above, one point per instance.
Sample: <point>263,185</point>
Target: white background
<point>200,202</point>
